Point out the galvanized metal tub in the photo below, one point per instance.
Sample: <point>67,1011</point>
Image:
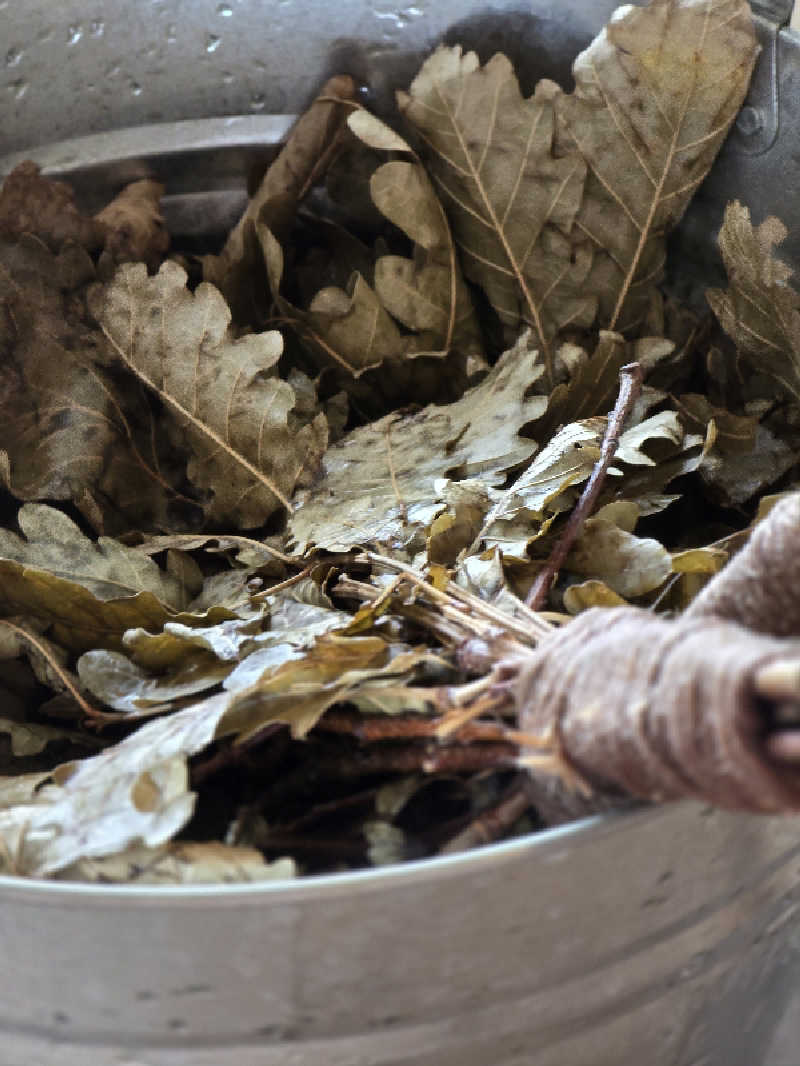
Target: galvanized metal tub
<point>667,936</point>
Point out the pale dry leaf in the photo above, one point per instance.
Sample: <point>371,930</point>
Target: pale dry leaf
<point>248,452</point>
<point>511,202</point>
<point>627,564</point>
<point>655,94</point>
<point>545,488</point>
<point>760,310</point>
<point>378,483</point>
<point>180,863</point>
<point>135,791</point>
<point>120,683</point>
<point>336,669</point>
<point>89,592</point>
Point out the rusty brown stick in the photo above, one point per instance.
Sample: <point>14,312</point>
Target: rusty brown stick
<point>630,378</point>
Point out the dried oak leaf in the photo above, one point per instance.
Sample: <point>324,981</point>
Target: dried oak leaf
<point>32,204</point>
<point>551,483</point>
<point>89,592</point>
<point>134,226</point>
<point>364,671</point>
<point>249,452</point>
<point>157,669</point>
<point>135,791</point>
<point>356,329</point>
<point>593,380</point>
<point>627,564</point>
<point>315,140</point>
<point>511,202</point>
<point>68,430</point>
<point>378,484</point>
<point>180,863</point>
<point>759,309</point>
<point>655,94</point>
<point>425,293</point>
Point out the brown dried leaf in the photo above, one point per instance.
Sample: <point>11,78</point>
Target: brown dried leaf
<point>593,382</point>
<point>628,564</point>
<point>89,592</point>
<point>511,203</point>
<point>337,669</point>
<point>655,94</point>
<point>759,309</point>
<point>248,450</point>
<point>378,484</point>
<point>30,203</point>
<point>67,429</point>
<point>134,225</point>
<point>238,272</point>
<point>425,293</point>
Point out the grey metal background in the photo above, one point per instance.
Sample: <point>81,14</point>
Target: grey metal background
<point>667,937</point>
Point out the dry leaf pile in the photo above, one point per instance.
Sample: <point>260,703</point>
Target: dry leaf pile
<point>272,514</point>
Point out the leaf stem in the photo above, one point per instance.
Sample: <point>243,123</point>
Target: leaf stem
<point>57,668</point>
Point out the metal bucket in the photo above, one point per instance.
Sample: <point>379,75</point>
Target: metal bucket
<point>663,936</point>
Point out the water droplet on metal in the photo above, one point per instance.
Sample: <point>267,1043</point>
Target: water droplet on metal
<point>413,12</point>
<point>136,88</point>
<point>97,27</point>
<point>74,33</point>
<point>258,102</point>
<point>113,71</point>
<point>172,33</point>
<point>212,42</point>
<point>14,57</point>
<point>18,88</point>
<point>227,77</point>
<point>225,11</point>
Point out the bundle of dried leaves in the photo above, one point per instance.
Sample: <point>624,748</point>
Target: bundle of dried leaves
<point>292,548</point>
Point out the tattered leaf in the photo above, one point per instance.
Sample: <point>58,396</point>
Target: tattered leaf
<point>378,483</point>
<point>90,592</point>
<point>248,451</point>
<point>136,790</point>
<point>759,309</point>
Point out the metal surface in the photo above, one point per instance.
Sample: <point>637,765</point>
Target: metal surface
<point>663,937</point>
<point>667,937</point>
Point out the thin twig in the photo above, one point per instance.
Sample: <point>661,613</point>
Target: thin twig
<point>282,586</point>
<point>494,823</point>
<point>630,385</point>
